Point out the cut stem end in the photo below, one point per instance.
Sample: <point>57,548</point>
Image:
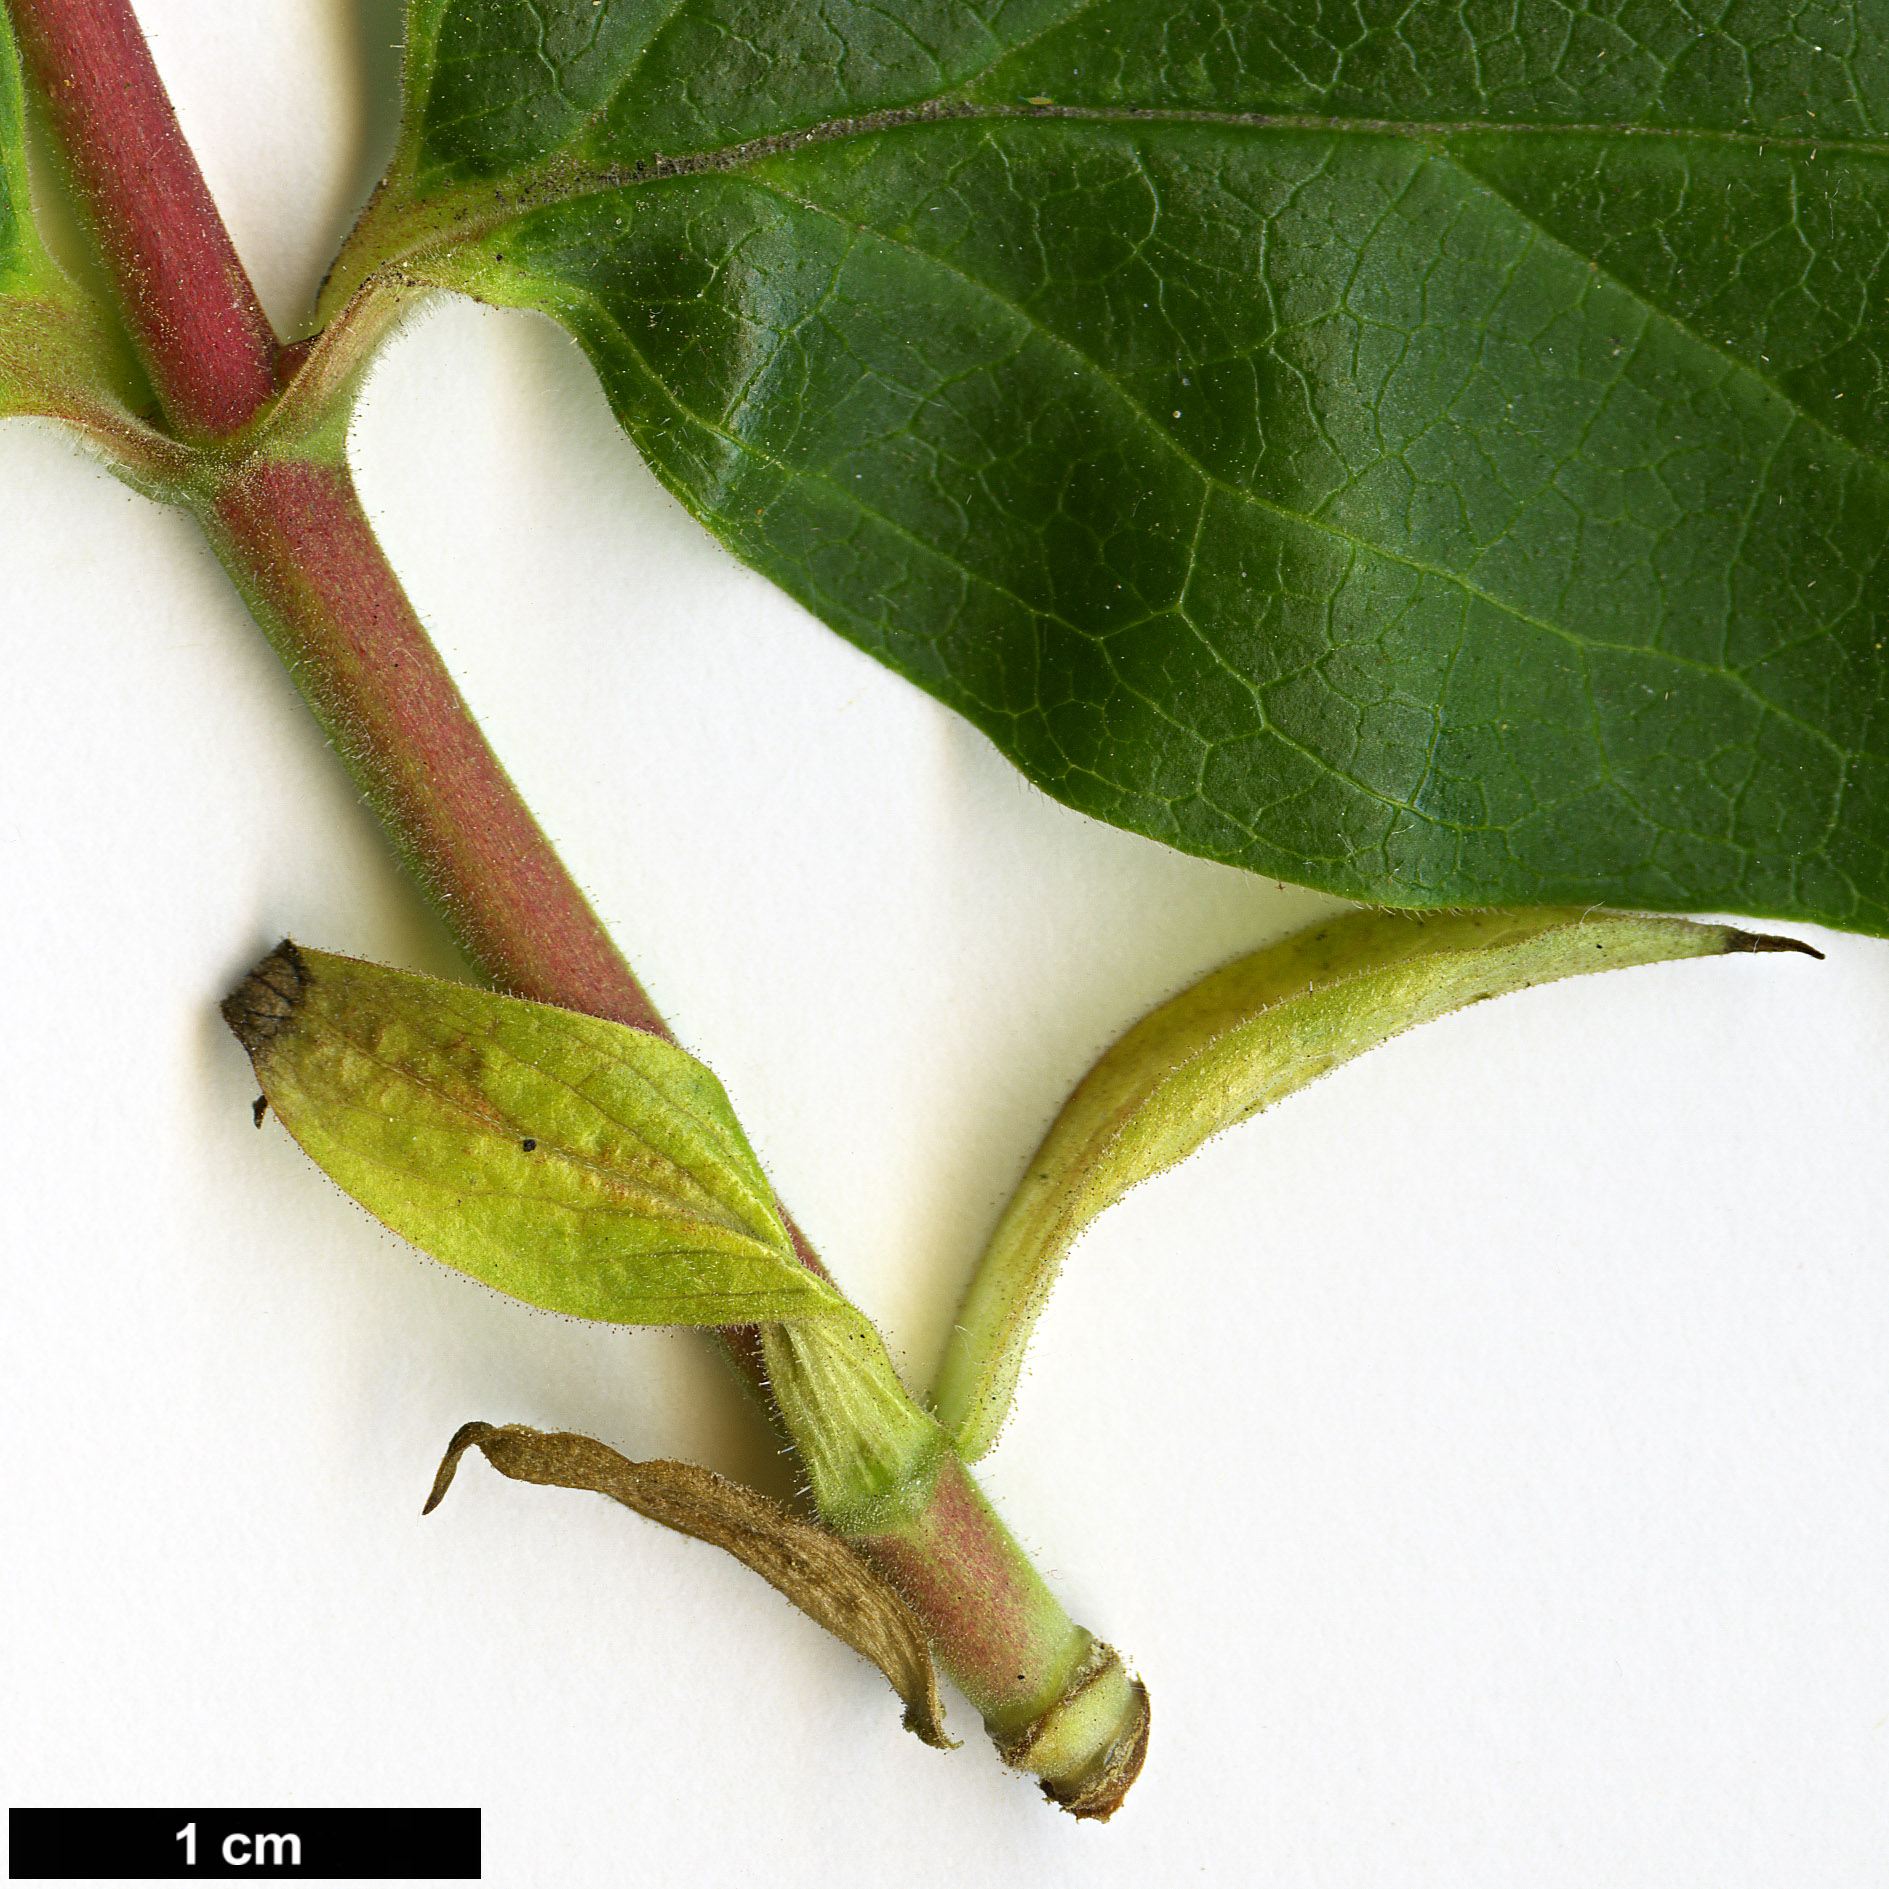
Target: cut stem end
<point>1088,1748</point>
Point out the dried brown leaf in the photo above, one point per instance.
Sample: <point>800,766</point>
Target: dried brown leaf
<point>823,1577</point>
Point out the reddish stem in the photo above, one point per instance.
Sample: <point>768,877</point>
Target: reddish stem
<point>294,537</point>
<point>295,540</point>
<point>1055,1700</point>
<point>182,290</point>
<point>1006,1637</point>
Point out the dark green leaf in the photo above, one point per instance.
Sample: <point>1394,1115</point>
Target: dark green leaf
<point>1433,453</point>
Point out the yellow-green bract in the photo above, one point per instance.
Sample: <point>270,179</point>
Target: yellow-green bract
<point>576,1164</point>
<point>1243,1038</point>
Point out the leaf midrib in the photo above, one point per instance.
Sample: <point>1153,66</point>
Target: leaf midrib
<point>961,94</point>
<point>479,210</point>
<point>490,205</point>
<point>561,178</point>
<point>710,1210</point>
<point>565,177</point>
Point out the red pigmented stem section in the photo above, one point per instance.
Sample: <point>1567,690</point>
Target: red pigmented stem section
<point>1056,1701</point>
<point>289,528</point>
<point>1005,1637</point>
<point>182,291</point>
<point>293,535</point>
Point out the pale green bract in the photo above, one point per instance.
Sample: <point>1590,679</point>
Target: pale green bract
<point>576,1164</point>
<point>1236,1042</point>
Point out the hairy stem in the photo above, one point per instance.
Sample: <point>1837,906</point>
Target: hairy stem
<point>184,295</point>
<point>280,508</point>
<point>293,536</point>
<point>1056,1701</point>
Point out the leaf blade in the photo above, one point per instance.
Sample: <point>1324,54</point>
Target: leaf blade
<point>1282,459</point>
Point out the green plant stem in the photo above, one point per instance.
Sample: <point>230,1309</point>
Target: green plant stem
<point>284,518</point>
<point>1055,1700</point>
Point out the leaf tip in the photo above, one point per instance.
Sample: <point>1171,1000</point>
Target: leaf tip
<point>927,1725</point>
<point>463,1439</point>
<point>263,1005</point>
<point>1767,941</point>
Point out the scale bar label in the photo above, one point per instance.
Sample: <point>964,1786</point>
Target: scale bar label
<point>179,1845</point>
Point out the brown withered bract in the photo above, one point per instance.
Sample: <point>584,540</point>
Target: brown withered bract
<point>827,1580</point>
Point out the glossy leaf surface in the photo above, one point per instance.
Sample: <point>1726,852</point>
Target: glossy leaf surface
<point>576,1164</point>
<point>1238,1041</point>
<point>1436,454</point>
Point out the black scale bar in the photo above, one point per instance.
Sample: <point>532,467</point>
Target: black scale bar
<point>178,1845</point>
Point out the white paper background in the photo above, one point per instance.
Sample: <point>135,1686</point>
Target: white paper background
<point>1482,1457</point>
